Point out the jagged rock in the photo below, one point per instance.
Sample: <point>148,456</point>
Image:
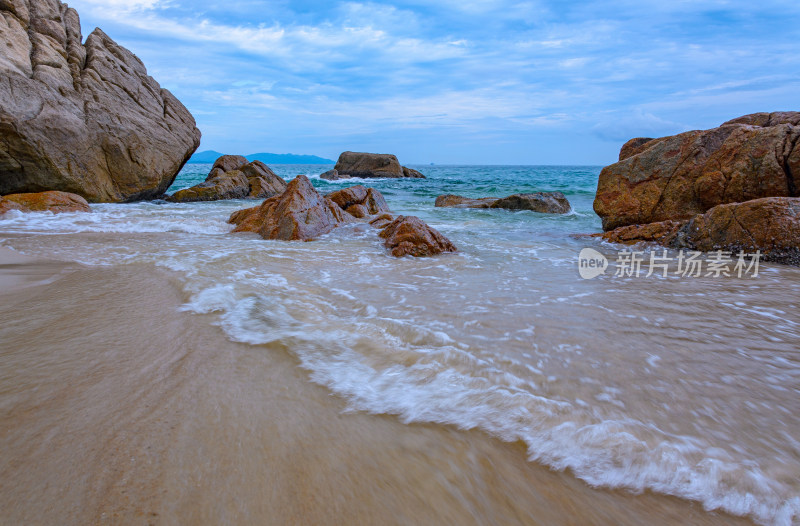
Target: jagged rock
<point>633,147</point>
<point>233,177</point>
<point>300,213</point>
<point>381,221</point>
<point>409,235</point>
<point>333,175</point>
<point>457,201</point>
<point>678,177</point>
<point>82,118</point>
<point>371,165</point>
<point>543,202</point>
<point>52,201</point>
<point>360,201</point>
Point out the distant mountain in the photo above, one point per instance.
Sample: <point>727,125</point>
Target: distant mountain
<point>209,156</point>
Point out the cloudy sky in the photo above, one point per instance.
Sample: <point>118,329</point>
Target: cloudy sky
<point>460,81</point>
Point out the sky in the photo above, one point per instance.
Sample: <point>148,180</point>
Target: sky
<point>460,81</point>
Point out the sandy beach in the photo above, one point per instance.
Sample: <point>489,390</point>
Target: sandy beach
<point>116,408</point>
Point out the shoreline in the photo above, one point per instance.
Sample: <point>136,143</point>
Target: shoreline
<point>126,409</point>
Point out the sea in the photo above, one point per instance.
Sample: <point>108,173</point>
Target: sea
<point>677,384</point>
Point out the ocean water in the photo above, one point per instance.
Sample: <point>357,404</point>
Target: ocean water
<point>677,385</point>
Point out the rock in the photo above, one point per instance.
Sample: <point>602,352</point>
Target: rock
<point>83,118</point>
<point>678,177</point>
<point>409,235</point>
<point>371,165</point>
<point>771,225</point>
<point>300,213</point>
<point>633,147</point>
<point>52,201</point>
<point>333,175</point>
<point>360,201</point>
<point>233,177</point>
<point>663,233</point>
<point>381,221</point>
<point>542,202</point>
<point>457,201</point>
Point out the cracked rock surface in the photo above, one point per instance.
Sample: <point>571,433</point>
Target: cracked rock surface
<point>83,117</point>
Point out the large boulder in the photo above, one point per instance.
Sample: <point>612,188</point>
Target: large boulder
<point>300,213</point>
<point>543,202</point>
<point>51,201</point>
<point>82,117</point>
<point>233,177</point>
<point>409,235</point>
<point>371,165</point>
<point>678,177</point>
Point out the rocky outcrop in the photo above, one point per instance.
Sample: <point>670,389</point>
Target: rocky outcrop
<point>372,165</point>
<point>770,225</point>
<point>300,213</point>
<point>457,201</point>
<point>678,177</point>
<point>542,202</point>
<point>82,117</point>
<point>52,201</point>
<point>409,235</point>
<point>633,147</point>
<point>359,201</point>
<point>233,177</point>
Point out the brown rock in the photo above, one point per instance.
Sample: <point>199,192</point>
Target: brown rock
<point>663,233</point>
<point>771,225</point>
<point>371,165</point>
<point>52,201</point>
<point>633,147</point>
<point>82,117</point>
<point>233,177</point>
<point>369,201</point>
<point>457,201</point>
<point>381,221</point>
<point>542,202</point>
<point>684,175</point>
<point>409,235</point>
<point>300,213</point>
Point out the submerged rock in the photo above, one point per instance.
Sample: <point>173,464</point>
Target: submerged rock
<point>409,235</point>
<point>333,175</point>
<point>300,213</point>
<point>83,117</point>
<point>678,177</point>
<point>662,232</point>
<point>542,202</point>
<point>233,177</point>
<point>52,201</point>
<point>372,165</point>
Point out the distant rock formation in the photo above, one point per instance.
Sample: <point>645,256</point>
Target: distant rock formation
<point>82,118</point>
<point>233,177</point>
<point>542,202</point>
<point>371,165</point>
<point>302,213</point>
<point>678,177</point>
<point>51,201</point>
<point>409,235</point>
<point>333,175</point>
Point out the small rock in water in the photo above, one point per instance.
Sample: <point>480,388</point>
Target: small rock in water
<point>52,201</point>
<point>409,235</point>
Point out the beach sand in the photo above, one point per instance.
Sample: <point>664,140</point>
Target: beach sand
<point>118,408</point>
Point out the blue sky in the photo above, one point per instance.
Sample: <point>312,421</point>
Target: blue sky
<point>467,82</point>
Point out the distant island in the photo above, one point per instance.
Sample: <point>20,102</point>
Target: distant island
<point>209,156</point>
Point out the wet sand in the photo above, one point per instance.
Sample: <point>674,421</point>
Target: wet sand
<point>117,408</point>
